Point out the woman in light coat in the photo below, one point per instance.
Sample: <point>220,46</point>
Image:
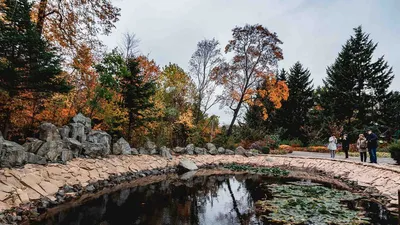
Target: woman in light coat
<point>332,146</point>
<point>362,146</point>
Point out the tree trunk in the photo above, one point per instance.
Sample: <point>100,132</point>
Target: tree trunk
<point>235,205</point>
<point>41,16</point>
<point>7,124</point>
<point>235,114</point>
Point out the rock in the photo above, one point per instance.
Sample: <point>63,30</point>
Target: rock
<point>178,150</point>
<point>188,175</point>
<point>98,136</point>
<point>212,150</point>
<point>77,132</point>
<point>64,131</point>
<point>35,159</point>
<point>143,151</point>
<point>66,155</point>
<point>229,152</point>
<point>134,151</point>
<point>12,154</point>
<point>221,150</point>
<point>151,147</point>
<point>72,145</point>
<point>240,150</point>
<point>121,147</point>
<point>165,152</point>
<point>200,151</point>
<point>187,165</point>
<point>189,149</point>
<point>95,149</point>
<point>90,188</point>
<point>51,150</point>
<point>48,132</point>
<point>80,118</point>
<point>32,145</point>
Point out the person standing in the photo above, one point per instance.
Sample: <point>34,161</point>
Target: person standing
<point>345,145</point>
<point>332,146</point>
<point>362,146</point>
<point>372,140</point>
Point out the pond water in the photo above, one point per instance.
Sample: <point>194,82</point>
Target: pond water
<point>205,200</point>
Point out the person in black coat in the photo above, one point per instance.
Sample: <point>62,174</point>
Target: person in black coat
<point>345,145</point>
<point>372,140</point>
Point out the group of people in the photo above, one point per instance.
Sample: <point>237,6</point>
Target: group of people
<point>365,142</point>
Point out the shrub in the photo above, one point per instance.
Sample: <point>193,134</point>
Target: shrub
<point>265,150</point>
<point>395,152</point>
<point>285,142</point>
<point>272,141</point>
<point>295,143</point>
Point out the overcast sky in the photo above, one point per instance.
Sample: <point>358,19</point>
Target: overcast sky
<point>312,31</point>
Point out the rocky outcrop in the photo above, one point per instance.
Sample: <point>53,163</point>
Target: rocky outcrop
<point>200,151</point>
<point>190,149</point>
<point>121,147</point>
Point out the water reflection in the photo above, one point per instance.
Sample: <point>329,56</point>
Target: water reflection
<point>202,200</point>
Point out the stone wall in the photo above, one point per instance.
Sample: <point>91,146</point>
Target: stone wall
<point>32,182</point>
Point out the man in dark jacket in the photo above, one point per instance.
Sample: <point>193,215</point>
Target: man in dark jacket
<point>372,146</point>
<point>345,145</point>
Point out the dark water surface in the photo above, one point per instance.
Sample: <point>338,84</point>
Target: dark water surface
<point>205,200</point>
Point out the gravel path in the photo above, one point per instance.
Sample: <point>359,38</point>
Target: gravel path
<point>389,161</point>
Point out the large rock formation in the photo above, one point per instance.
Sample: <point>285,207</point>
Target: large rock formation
<point>187,165</point>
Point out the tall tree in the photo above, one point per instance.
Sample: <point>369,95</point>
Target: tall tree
<point>28,64</point>
<point>203,61</point>
<point>356,84</point>
<point>256,53</point>
<point>129,46</point>
<point>293,112</point>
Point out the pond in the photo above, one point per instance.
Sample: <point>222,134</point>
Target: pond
<point>221,199</point>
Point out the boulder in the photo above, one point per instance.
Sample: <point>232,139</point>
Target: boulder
<point>121,147</point>
<point>66,155</point>
<point>240,150</point>
<point>100,137</point>
<point>229,152</point>
<point>200,151</point>
<point>134,151</point>
<point>64,131</point>
<point>80,118</point>
<point>151,147</point>
<point>51,150</point>
<point>73,145</point>
<point>143,151</point>
<point>35,159</point>
<point>32,145</point>
<point>48,132</point>
<point>165,152</point>
<point>221,150</point>
<point>95,149</point>
<point>189,149</point>
<point>211,149</point>
<point>12,154</point>
<point>77,132</point>
<point>178,150</point>
<point>186,165</point>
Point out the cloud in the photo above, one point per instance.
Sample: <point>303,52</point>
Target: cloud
<point>313,31</point>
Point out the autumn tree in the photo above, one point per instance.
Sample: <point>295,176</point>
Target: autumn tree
<point>202,63</point>
<point>29,66</point>
<point>256,52</point>
<point>70,23</point>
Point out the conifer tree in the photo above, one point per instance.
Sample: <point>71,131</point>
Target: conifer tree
<point>28,64</point>
<point>357,86</point>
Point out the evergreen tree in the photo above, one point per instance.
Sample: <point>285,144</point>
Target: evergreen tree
<point>136,94</point>
<point>293,114</point>
<point>28,64</point>
<point>356,85</point>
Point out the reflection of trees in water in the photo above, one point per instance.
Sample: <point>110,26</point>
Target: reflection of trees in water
<point>170,202</point>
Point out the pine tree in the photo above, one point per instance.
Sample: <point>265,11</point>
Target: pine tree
<point>293,114</point>
<point>356,85</point>
<point>28,64</point>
